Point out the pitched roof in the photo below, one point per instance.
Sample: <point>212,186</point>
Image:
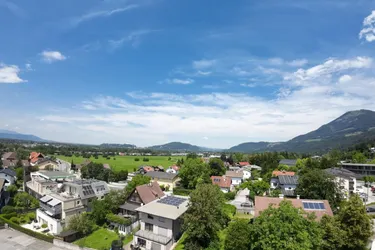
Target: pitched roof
<point>161,175</point>
<point>8,163</point>
<point>289,162</point>
<point>244,163</point>
<point>278,173</point>
<point>234,174</point>
<point>149,192</point>
<point>340,172</point>
<point>8,171</point>
<point>25,163</point>
<point>288,180</point>
<point>221,181</point>
<point>262,203</point>
<point>7,155</point>
<point>176,168</point>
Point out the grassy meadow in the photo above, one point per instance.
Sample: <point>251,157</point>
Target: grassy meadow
<point>118,163</point>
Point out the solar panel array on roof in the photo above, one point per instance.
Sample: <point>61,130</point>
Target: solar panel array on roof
<point>172,200</point>
<point>313,205</point>
<point>87,190</point>
<point>288,180</point>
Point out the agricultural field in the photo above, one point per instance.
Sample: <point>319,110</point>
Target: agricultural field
<point>118,163</point>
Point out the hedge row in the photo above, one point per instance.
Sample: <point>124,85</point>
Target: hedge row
<point>182,191</point>
<point>27,231</point>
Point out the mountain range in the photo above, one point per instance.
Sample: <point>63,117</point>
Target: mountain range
<point>351,128</point>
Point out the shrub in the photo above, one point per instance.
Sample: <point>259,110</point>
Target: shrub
<point>230,210</point>
<point>44,225</point>
<point>14,220</point>
<point>8,210</point>
<point>146,159</point>
<point>31,216</point>
<point>136,159</point>
<point>118,219</point>
<point>162,187</point>
<point>230,196</point>
<point>24,219</point>
<point>10,215</point>
<point>182,191</point>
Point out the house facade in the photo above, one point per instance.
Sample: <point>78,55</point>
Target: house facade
<point>47,164</point>
<point>9,177</point>
<point>161,223</point>
<point>4,195</point>
<point>166,179</point>
<point>346,180</point>
<point>236,177</point>
<point>69,199</point>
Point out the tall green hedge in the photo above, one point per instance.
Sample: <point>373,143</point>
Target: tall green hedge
<point>27,231</point>
<point>182,191</point>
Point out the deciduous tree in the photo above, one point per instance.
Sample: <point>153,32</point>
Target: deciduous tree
<point>238,235</point>
<point>205,216</point>
<point>81,223</point>
<point>216,166</point>
<point>194,171</point>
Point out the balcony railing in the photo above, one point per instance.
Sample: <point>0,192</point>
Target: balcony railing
<point>52,210</point>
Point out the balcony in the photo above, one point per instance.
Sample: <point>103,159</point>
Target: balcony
<point>51,210</point>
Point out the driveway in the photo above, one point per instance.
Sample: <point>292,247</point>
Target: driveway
<point>242,197</point>
<point>15,240</point>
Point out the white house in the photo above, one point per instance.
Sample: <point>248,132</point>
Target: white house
<point>9,176</point>
<point>236,176</point>
<point>346,180</point>
<point>246,174</point>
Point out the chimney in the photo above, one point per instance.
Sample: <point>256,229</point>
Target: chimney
<point>298,197</point>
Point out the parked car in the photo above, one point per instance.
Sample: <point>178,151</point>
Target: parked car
<point>370,209</point>
<point>246,204</point>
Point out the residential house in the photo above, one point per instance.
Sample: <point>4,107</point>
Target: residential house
<point>9,177</point>
<point>244,164</point>
<point>236,177</point>
<point>224,182</point>
<point>285,181</point>
<point>173,169</point>
<point>161,223</point>
<point>141,196</point>
<point>9,156</point>
<point>346,180</point>
<point>35,157</point>
<point>159,168</point>
<point>47,164</point>
<point>145,169</point>
<point>319,207</point>
<point>164,179</point>
<point>4,195</point>
<point>69,199</point>
<point>45,182</point>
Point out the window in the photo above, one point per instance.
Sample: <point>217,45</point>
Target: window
<point>77,202</point>
<point>150,217</point>
<point>141,242</point>
<point>161,219</point>
<point>149,227</point>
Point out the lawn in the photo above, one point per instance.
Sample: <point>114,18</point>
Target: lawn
<point>243,216</point>
<point>101,239</point>
<point>126,162</point>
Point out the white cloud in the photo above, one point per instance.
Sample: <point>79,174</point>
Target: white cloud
<point>28,67</point>
<point>52,56</point>
<point>179,81</point>
<point>345,78</point>
<point>204,73</point>
<point>102,13</point>
<point>133,38</point>
<point>10,74</point>
<point>203,64</point>
<point>248,85</point>
<point>328,69</point>
<point>368,29</point>
<point>298,62</point>
<point>276,61</point>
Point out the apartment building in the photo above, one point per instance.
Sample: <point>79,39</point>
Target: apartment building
<point>346,180</point>
<point>45,182</point>
<point>67,200</point>
<point>360,169</point>
<point>161,223</point>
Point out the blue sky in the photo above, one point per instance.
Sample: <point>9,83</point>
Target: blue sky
<point>211,73</point>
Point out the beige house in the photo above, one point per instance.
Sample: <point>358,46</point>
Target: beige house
<point>169,180</point>
<point>47,164</point>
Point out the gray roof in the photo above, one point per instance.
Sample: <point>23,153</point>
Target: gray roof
<point>129,206</point>
<point>161,175</point>
<point>357,164</point>
<point>340,172</point>
<point>165,210</point>
<point>288,180</point>
<point>8,172</point>
<point>9,155</point>
<point>289,162</point>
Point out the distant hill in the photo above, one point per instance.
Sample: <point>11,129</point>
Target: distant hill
<point>176,146</point>
<point>115,145</point>
<point>7,134</point>
<point>350,128</point>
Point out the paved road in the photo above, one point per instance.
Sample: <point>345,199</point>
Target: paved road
<point>15,240</point>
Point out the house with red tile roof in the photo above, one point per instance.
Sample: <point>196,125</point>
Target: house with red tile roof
<point>35,157</point>
<point>223,182</point>
<point>318,207</point>
<point>244,163</point>
<point>283,172</point>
